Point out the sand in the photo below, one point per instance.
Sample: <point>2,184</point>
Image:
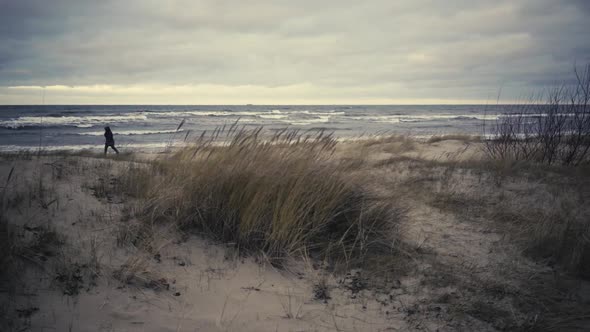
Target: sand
<point>462,275</point>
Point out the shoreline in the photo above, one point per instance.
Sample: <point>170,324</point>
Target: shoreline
<point>161,147</point>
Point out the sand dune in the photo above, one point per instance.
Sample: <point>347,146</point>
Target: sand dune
<point>76,258</point>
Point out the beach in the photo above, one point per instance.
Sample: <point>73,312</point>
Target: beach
<point>294,166</point>
<point>451,241</point>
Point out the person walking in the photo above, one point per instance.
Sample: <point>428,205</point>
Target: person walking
<point>110,141</point>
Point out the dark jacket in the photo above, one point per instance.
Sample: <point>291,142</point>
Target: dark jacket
<point>108,134</point>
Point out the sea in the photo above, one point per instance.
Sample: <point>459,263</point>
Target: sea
<point>155,127</point>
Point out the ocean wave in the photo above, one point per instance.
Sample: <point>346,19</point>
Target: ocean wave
<point>437,117</point>
<point>39,127</point>
<point>305,122</point>
<point>421,118</point>
<point>273,116</point>
<point>535,115</point>
<point>293,117</point>
<point>182,114</point>
<point>71,121</point>
<point>228,113</point>
<point>92,147</point>
<point>131,132</point>
<point>378,119</point>
<point>330,112</point>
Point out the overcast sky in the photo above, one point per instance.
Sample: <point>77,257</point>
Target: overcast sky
<point>285,51</point>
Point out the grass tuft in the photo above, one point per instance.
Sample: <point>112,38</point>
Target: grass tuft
<point>282,195</point>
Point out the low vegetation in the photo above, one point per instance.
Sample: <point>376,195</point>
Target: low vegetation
<point>539,207</point>
<point>548,142</point>
<point>281,195</point>
<point>532,212</point>
<point>556,131</point>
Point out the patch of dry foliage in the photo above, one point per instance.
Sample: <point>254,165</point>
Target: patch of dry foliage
<point>282,194</point>
<point>554,132</point>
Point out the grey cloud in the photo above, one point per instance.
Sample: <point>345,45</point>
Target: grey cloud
<point>581,4</point>
<point>455,49</point>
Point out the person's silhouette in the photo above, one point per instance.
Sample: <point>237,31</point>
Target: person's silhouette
<point>110,141</point>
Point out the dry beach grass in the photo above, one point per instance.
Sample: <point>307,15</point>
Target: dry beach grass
<point>284,196</point>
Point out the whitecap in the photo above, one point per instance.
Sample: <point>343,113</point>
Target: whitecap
<point>273,116</point>
<point>131,132</point>
<point>305,122</point>
<point>75,121</point>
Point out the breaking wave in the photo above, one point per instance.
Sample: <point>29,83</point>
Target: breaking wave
<point>131,132</point>
<point>72,121</point>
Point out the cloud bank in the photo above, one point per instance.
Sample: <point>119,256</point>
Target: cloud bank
<point>273,52</point>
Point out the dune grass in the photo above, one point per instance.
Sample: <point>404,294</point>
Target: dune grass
<point>280,194</point>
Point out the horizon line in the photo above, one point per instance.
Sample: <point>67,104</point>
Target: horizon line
<point>321,104</point>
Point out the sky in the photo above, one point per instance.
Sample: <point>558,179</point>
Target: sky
<point>287,52</point>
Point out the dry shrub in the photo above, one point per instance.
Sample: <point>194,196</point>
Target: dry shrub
<point>132,178</point>
<point>281,195</point>
<point>554,132</point>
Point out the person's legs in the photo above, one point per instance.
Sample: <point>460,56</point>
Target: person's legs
<point>106,146</point>
<point>114,148</point>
